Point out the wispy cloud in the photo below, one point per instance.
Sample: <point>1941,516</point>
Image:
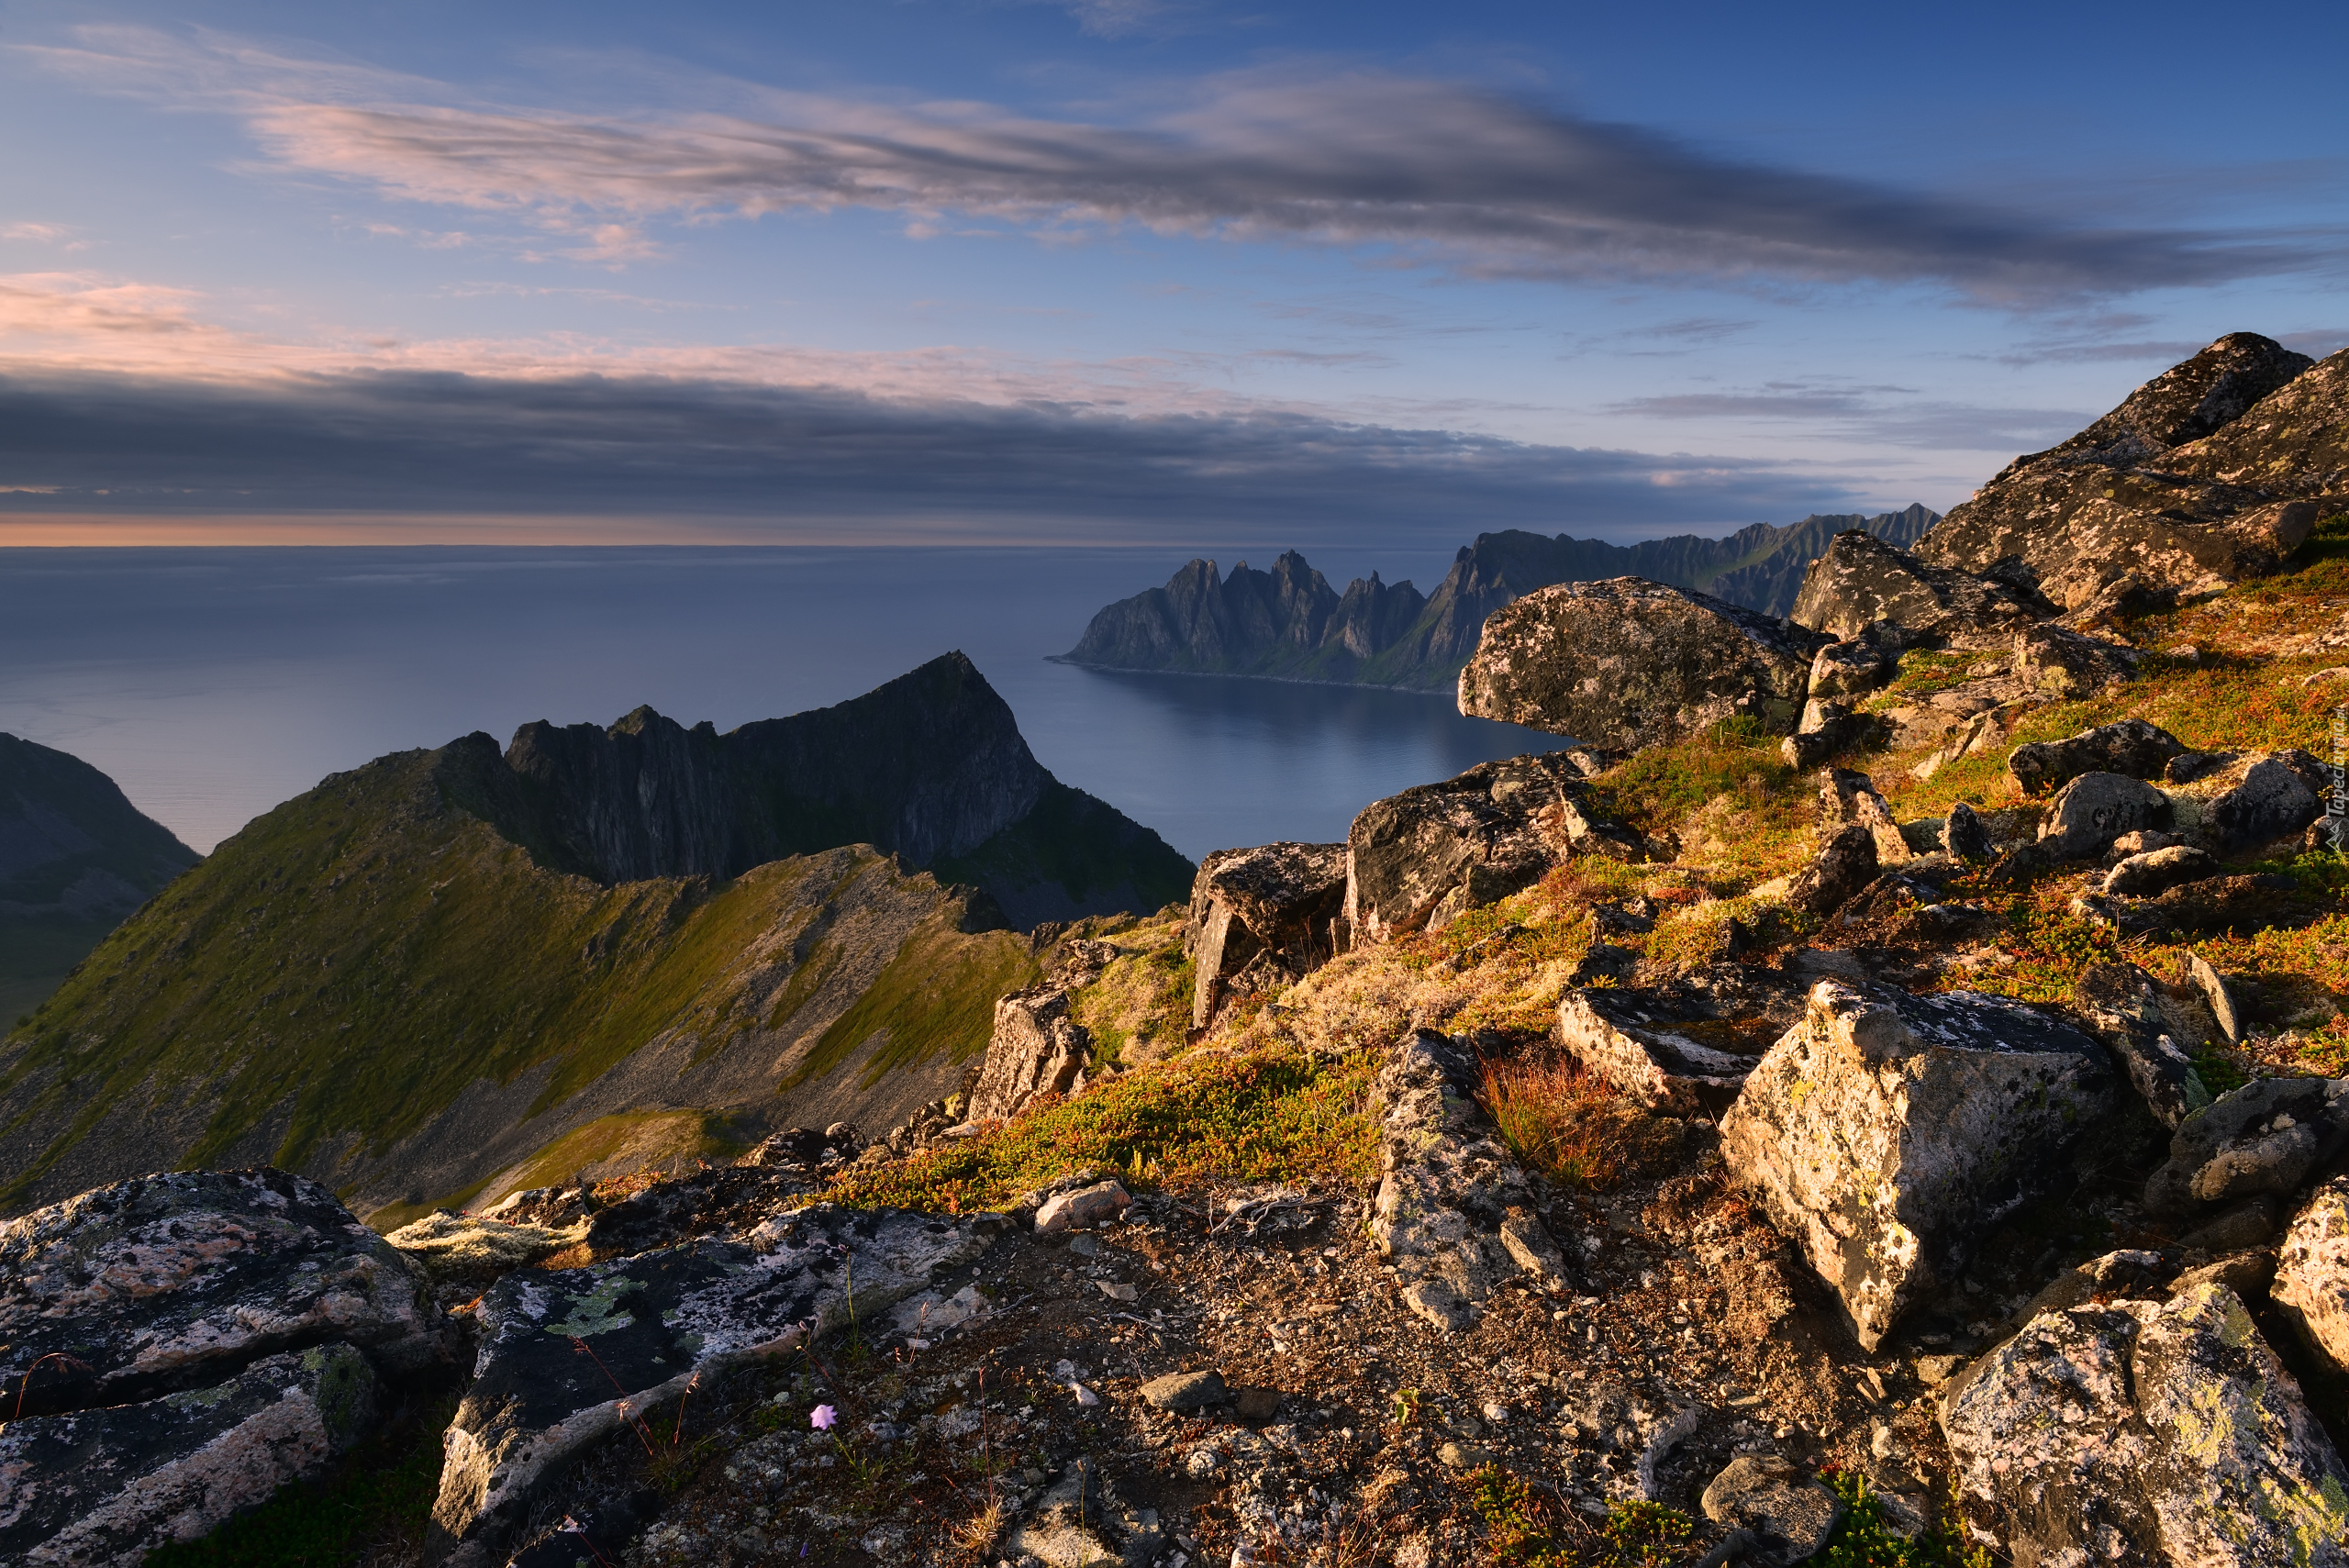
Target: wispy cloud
<point>1417,170</point>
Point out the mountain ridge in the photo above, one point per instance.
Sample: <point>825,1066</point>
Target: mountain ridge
<point>1288,623</point>
<point>408,979</point>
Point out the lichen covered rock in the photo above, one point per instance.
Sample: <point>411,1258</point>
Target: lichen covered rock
<point>1632,1040</point>
<point>111,1486</point>
<point>2093,809</point>
<point>563,1350</point>
<point>2147,1432</point>
<point>1885,1133</point>
<point>1863,581</point>
<point>2267,1135</point>
<point>177,1281</point>
<point>1628,662</point>
<point>2311,1286</point>
<point>1418,859</point>
<point>2131,748</point>
<point>1279,902</point>
<point>1453,1213</point>
<point>2125,1009</point>
<point>1036,1048</point>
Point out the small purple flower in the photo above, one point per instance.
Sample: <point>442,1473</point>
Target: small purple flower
<point>822,1416</point>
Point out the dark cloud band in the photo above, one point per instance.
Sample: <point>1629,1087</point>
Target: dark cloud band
<point>389,441</point>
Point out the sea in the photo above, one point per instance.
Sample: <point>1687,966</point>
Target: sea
<point>214,684</point>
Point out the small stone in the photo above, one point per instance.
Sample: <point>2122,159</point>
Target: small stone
<point>1254,1405</point>
<point>1934,1371</point>
<point>1965,837</point>
<point>2214,990</point>
<point>1789,1514</point>
<point>1184,1391</point>
<point>1079,1210</point>
<point>1461,1456</point>
<point>1118,1290</point>
<point>1202,1463</point>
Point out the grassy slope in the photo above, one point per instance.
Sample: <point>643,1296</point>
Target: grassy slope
<point>368,950</point>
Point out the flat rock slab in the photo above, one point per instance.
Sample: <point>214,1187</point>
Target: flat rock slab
<point>1453,1213</point>
<point>1886,1133</point>
<point>1629,1430</point>
<point>2311,1284</point>
<point>111,1486</point>
<point>178,1281</point>
<point>562,1350</point>
<point>2147,1432</point>
<point>1631,1039</point>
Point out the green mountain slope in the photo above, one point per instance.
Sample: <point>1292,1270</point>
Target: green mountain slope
<point>75,857</point>
<point>372,985</point>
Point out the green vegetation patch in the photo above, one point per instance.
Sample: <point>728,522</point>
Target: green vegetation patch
<point>1140,1007</point>
<point>1527,1529</point>
<point>1865,1537</point>
<point>938,993</point>
<point>1277,1113</point>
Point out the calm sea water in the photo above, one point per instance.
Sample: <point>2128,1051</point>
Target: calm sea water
<point>212,684</point>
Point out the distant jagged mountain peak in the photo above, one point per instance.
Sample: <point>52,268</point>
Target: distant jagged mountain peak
<point>1288,623</point>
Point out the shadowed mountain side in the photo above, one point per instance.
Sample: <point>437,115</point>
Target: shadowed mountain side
<point>75,857</point>
<point>372,985</point>
<point>1289,623</point>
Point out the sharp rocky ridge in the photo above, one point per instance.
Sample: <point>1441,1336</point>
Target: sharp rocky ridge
<point>1289,623</point>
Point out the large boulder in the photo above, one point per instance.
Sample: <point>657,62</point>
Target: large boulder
<point>2149,1432</point>
<point>1627,1039</point>
<point>569,1357</point>
<point>2096,808</point>
<point>1036,1048</point>
<point>1418,860</point>
<point>2152,872</point>
<point>1453,1214</point>
<point>1845,863</point>
<point>1628,662</point>
<point>1275,906</point>
<point>1861,582</point>
<point>2266,1137</point>
<point>178,1281</point>
<point>2276,793</point>
<point>2311,1288</point>
<point>111,1486</point>
<point>1885,1133</point>
<point>2131,748</point>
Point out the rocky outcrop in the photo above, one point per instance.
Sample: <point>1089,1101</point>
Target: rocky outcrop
<point>2147,1431</point>
<point>2131,748</point>
<point>569,1357</point>
<point>111,1486</point>
<point>1628,662</point>
<point>1286,621</point>
<point>1037,1049</point>
<point>1416,860</point>
<point>2193,484</point>
<point>1863,580</point>
<point>1886,1133</point>
<point>1262,917</point>
<point>2311,1288</point>
<point>169,1283</point>
<point>1453,1214</point>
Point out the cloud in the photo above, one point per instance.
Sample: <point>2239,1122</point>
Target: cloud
<point>1420,170</point>
<point>1891,415</point>
<point>377,442</point>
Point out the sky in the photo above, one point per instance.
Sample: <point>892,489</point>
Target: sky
<point>1161,273</point>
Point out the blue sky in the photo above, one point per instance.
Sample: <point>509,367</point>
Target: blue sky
<point>1121,271</point>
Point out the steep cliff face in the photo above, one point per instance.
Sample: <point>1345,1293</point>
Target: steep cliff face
<point>448,964</point>
<point>1288,623</point>
<point>929,766</point>
<point>75,857</point>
